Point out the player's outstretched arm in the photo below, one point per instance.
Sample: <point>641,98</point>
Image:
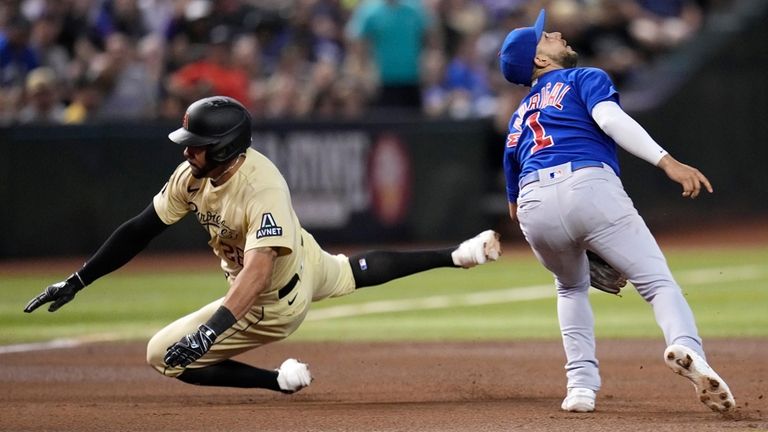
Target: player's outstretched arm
<point>690,178</point>
<point>629,135</point>
<point>125,243</point>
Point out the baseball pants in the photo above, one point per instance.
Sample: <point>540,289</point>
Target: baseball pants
<point>272,319</point>
<point>567,212</point>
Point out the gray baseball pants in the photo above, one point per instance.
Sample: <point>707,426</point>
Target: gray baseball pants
<point>566,212</point>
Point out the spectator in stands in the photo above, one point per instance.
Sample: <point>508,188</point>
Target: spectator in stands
<point>150,52</point>
<point>352,98</point>
<point>73,18</point>
<point>605,41</point>
<point>662,24</point>
<point>327,39</point>
<point>44,40</point>
<point>467,84</point>
<point>85,54</point>
<point>129,91</point>
<point>215,74</point>
<point>17,57</point>
<point>247,55</point>
<point>276,57</point>
<point>43,104</point>
<point>86,99</point>
<point>120,16</point>
<point>434,94</point>
<point>361,75</point>
<point>190,26</point>
<point>460,19</point>
<point>396,31</point>
<point>282,87</point>
<point>9,99</point>
<point>320,95</point>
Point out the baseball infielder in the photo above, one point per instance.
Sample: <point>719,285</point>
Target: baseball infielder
<point>563,187</point>
<point>275,269</point>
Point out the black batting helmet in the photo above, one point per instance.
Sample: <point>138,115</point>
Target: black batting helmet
<point>220,122</point>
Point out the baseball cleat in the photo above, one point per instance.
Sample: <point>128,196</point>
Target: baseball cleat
<point>293,376</point>
<point>711,389</point>
<point>479,249</point>
<point>580,400</point>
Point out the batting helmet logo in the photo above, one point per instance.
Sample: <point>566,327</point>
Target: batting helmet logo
<point>185,122</point>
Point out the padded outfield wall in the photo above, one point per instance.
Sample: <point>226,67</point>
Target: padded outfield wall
<point>65,189</point>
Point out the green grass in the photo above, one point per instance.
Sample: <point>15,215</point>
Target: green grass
<point>730,301</point>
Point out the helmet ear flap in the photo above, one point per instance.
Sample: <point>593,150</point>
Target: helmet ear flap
<point>227,149</point>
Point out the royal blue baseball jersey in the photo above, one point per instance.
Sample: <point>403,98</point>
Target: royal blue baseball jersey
<point>554,125</point>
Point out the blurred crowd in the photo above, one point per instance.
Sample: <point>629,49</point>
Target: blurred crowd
<point>79,61</point>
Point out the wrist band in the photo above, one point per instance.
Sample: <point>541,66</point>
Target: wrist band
<point>221,320</point>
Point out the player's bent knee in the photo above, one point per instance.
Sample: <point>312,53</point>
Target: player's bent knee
<point>156,349</point>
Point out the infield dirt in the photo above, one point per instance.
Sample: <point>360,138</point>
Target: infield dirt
<point>471,386</point>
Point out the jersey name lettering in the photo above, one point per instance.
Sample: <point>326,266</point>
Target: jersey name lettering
<point>548,96</point>
<point>512,139</point>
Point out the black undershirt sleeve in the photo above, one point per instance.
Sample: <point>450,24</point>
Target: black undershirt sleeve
<point>126,242</point>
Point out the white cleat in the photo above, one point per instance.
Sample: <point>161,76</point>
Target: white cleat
<point>581,400</point>
<point>711,389</point>
<point>480,249</point>
<point>293,376</point>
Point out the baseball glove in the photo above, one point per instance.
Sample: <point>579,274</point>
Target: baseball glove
<point>604,277</point>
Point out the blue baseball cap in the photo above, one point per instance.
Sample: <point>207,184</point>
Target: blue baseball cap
<point>519,49</point>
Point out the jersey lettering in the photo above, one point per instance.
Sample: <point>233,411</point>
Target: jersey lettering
<point>548,96</point>
<point>556,96</point>
<point>512,139</point>
<point>539,134</point>
<point>534,101</point>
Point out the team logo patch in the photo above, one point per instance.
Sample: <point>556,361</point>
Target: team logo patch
<point>268,227</point>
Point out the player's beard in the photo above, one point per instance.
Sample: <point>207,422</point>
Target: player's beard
<point>568,59</point>
<point>203,171</point>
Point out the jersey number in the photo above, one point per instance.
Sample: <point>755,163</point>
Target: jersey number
<point>539,134</point>
<point>232,253</point>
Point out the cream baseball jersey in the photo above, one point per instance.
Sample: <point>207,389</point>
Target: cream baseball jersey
<point>252,209</point>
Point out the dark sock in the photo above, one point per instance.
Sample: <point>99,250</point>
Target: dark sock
<point>377,267</point>
<point>230,373</point>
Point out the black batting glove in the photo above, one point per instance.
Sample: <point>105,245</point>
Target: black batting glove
<point>191,347</point>
<point>59,293</point>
